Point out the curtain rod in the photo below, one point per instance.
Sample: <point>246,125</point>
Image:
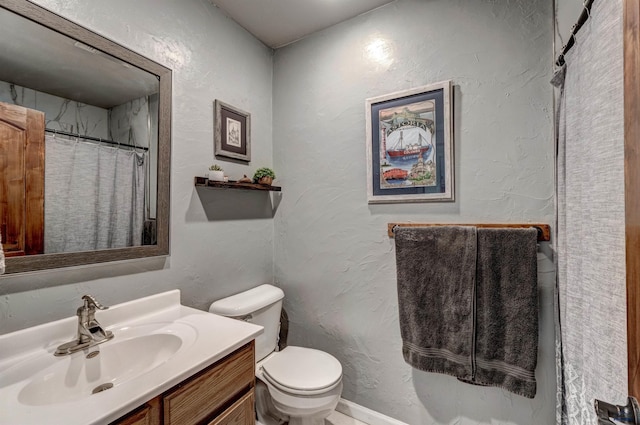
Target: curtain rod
<point>95,139</point>
<point>584,16</point>
<point>544,230</point>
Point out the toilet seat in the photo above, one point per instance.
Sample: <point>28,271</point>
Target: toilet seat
<point>302,371</point>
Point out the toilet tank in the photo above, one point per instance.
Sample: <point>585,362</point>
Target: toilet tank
<point>261,306</point>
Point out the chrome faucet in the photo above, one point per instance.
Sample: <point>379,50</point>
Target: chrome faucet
<point>90,332</point>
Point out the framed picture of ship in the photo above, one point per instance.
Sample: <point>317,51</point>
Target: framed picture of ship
<point>410,146</point>
<point>232,135</point>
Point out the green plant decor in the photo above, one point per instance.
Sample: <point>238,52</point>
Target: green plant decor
<point>264,172</point>
<point>215,167</point>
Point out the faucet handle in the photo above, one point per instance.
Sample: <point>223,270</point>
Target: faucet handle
<point>91,302</point>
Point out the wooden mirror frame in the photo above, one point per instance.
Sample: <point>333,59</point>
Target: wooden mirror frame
<point>63,26</point>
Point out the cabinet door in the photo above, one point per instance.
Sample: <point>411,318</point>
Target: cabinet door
<point>21,180</point>
<point>200,397</point>
<point>240,413</point>
<point>148,414</point>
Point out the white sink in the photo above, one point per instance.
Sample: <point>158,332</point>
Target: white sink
<point>133,352</point>
<point>157,344</point>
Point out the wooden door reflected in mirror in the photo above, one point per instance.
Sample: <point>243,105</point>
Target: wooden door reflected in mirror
<point>632,187</point>
<point>21,180</point>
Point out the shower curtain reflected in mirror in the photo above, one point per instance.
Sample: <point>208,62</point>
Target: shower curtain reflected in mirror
<point>94,196</point>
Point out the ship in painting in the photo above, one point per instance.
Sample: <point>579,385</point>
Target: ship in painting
<point>409,151</point>
<point>395,174</point>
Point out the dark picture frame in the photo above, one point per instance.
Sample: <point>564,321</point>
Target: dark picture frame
<point>410,145</point>
<point>232,137</point>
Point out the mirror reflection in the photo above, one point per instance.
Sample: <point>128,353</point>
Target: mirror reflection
<point>78,144</point>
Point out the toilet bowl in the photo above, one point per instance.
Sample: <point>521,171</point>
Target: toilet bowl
<point>304,384</point>
<point>298,385</point>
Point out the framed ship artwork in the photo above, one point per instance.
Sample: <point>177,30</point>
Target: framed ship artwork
<point>410,146</point>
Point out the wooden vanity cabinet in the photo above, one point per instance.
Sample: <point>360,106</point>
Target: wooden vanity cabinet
<point>222,394</point>
<point>242,412</point>
<point>148,414</point>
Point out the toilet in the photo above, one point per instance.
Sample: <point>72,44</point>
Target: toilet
<point>298,385</point>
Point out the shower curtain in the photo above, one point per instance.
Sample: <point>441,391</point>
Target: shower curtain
<point>591,325</point>
<point>94,196</point>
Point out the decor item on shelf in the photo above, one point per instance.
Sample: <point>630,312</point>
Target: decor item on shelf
<point>264,175</point>
<point>409,145</point>
<point>245,179</point>
<point>216,173</point>
<point>232,136</point>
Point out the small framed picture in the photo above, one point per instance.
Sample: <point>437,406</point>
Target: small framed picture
<point>410,146</point>
<point>232,137</point>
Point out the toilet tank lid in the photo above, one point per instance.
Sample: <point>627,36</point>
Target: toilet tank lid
<point>247,302</point>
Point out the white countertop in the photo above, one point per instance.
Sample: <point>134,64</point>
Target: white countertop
<point>211,337</point>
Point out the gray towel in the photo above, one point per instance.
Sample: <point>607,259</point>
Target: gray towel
<point>436,271</point>
<point>507,310</point>
<point>468,303</point>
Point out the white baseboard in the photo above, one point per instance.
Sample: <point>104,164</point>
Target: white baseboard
<point>365,415</point>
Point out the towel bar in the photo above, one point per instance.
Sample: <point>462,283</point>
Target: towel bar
<point>544,230</point>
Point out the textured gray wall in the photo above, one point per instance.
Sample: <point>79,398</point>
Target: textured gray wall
<point>332,254</point>
<point>221,242</point>
<point>59,113</point>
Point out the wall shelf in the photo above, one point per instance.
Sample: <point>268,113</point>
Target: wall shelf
<point>205,182</point>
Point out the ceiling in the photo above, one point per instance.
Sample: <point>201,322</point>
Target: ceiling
<point>279,22</point>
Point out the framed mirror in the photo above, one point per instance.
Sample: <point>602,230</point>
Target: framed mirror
<point>85,143</point>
